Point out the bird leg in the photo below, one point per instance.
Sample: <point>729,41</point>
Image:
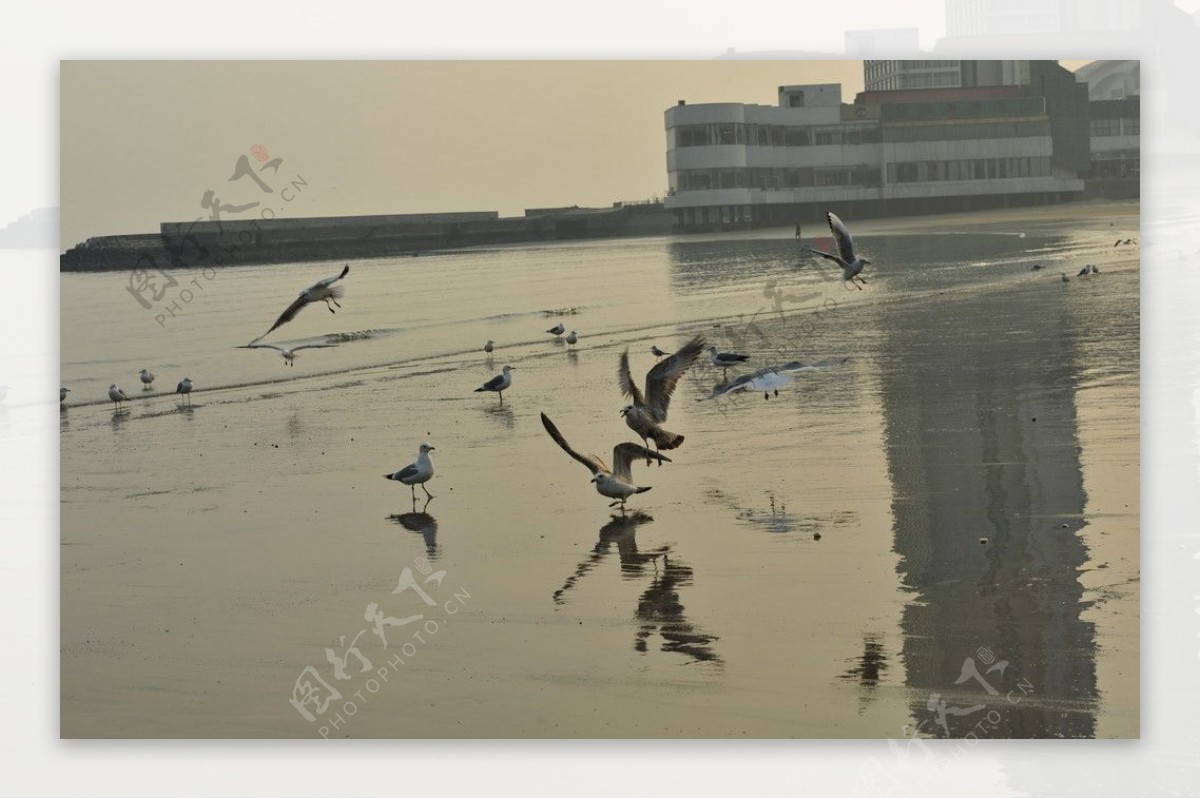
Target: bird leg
<point>501,397</point>
<point>330,307</point>
<point>426,490</point>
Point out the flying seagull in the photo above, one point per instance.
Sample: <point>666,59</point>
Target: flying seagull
<point>288,353</point>
<point>147,378</point>
<point>322,290</point>
<point>648,411</point>
<point>185,388</point>
<point>616,483</point>
<point>726,359</point>
<point>116,395</point>
<point>416,473</point>
<point>851,264</point>
<point>62,393</point>
<point>499,383</point>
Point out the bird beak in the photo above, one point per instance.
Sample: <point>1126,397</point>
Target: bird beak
<point>622,412</point>
<point>431,449</point>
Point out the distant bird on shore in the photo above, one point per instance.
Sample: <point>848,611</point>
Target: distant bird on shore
<point>656,352</point>
<point>726,359</point>
<point>185,388</point>
<point>147,378</point>
<point>1064,277</point>
<point>572,337</point>
<point>321,291</point>
<point>417,473</point>
<point>851,264</point>
<point>1119,242</point>
<point>557,330</point>
<point>116,395</point>
<point>1035,267</point>
<point>489,347</point>
<point>646,413</point>
<point>62,393</point>
<point>288,353</point>
<point>499,383</point>
<point>1090,269</point>
<point>616,483</point>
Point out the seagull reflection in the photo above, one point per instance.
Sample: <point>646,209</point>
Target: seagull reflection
<point>869,668</point>
<point>659,609</point>
<point>422,523</point>
<point>502,413</point>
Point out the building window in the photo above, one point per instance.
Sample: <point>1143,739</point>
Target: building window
<point>1105,127</point>
<point>796,101</point>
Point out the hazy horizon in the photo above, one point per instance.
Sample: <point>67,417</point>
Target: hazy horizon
<point>143,141</point>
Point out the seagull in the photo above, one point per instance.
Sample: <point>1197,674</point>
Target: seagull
<point>322,290</point>
<point>185,388</point>
<point>1090,269</point>
<point>557,330</point>
<point>726,359</point>
<point>499,382</point>
<point>62,393</point>
<point>491,345</point>
<point>116,395</point>
<point>851,264</point>
<point>147,378</point>
<point>416,473</point>
<point>572,337</point>
<point>656,352</point>
<point>1035,267</point>
<point>288,353</point>
<point>617,483</point>
<point>1064,277</point>
<point>647,412</point>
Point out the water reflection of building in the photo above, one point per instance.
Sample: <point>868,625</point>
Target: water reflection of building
<point>980,432</point>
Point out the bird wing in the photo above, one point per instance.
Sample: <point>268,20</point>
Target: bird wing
<point>837,259</point>
<point>594,464</point>
<point>408,471</point>
<point>625,454</point>
<point>662,379</point>
<point>494,383</point>
<point>625,379</point>
<point>286,316</point>
<point>329,281</point>
<point>845,244</point>
<point>312,347</point>
<point>253,346</point>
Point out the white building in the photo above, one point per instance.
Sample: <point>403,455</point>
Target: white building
<point>740,165</point>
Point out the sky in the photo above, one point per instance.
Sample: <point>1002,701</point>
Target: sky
<point>143,141</point>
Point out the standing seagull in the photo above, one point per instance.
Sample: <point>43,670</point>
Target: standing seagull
<point>557,330</point>
<point>322,290</point>
<point>116,395</point>
<point>416,473</point>
<point>289,355</point>
<point>1089,269</point>
<point>147,378</point>
<point>572,337</point>
<point>499,383</point>
<point>1064,277</point>
<point>491,345</point>
<point>726,359</point>
<point>185,388</point>
<point>851,264</point>
<point>616,483</point>
<point>62,393</point>
<point>647,412</point>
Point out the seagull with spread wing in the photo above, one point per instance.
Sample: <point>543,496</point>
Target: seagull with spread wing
<point>851,264</point>
<point>321,291</point>
<point>616,483</point>
<point>646,413</point>
<point>288,353</point>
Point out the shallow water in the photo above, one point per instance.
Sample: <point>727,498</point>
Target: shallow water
<point>958,484</point>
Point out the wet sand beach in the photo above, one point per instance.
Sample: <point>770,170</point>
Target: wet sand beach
<point>934,532</point>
